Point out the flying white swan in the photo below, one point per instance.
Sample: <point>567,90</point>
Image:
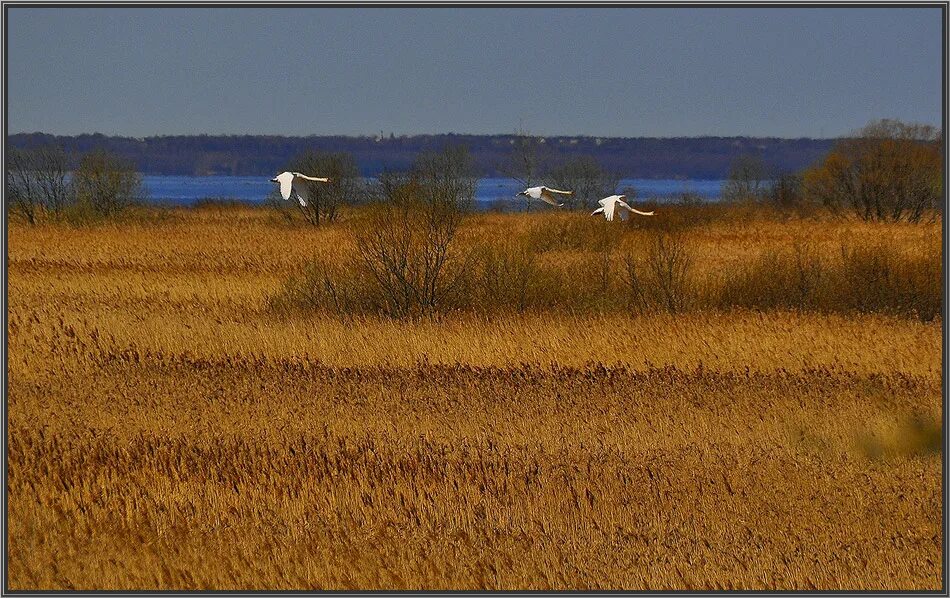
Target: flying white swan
<point>609,207</point>
<point>296,182</point>
<point>545,194</point>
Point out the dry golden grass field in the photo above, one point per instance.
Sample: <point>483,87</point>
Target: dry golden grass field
<point>180,418</point>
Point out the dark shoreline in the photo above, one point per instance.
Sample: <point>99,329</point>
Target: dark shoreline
<point>259,155</point>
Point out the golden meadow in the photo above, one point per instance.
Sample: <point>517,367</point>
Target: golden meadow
<point>718,397</point>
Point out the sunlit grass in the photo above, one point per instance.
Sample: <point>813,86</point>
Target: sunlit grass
<point>168,429</point>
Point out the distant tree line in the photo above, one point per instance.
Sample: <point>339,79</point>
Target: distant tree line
<point>259,155</point>
<point>889,170</point>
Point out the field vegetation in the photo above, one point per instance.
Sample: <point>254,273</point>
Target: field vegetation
<point>417,397</point>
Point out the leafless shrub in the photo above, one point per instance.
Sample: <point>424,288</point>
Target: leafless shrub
<point>878,278</point>
<point>37,181</point>
<point>406,242</point>
<point>670,264</point>
<point>638,297</point>
<point>657,274</point>
<point>105,186</point>
<point>748,179</point>
<point>343,289</point>
<point>23,198</point>
<point>786,191</point>
<point>529,159</point>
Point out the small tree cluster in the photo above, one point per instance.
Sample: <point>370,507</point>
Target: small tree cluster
<point>889,170</point>
<point>39,184</point>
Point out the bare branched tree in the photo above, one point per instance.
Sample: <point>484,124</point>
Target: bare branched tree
<point>749,179</point>
<point>587,179</point>
<point>406,243</point>
<point>23,198</point>
<point>529,160</point>
<point>37,180</point>
<point>889,170</point>
<point>106,184</point>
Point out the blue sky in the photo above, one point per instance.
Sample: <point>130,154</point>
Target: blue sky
<point>816,72</point>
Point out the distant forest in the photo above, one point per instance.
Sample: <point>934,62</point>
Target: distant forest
<point>258,155</point>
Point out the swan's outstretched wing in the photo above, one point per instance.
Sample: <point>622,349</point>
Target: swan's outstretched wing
<point>547,196</point>
<point>313,178</point>
<point>286,180</point>
<point>609,208</point>
<point>597,211</point>
<point>303,193</point>
<point>634,210</point>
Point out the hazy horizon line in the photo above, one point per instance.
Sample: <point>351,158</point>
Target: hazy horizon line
<point>386,135</point>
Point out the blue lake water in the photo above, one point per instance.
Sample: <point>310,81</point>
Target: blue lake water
<point>186,190</point>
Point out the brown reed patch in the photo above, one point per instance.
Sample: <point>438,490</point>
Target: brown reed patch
<point>169,430</point>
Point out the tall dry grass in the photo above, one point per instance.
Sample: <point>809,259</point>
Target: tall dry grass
<point>565,262</point>
<point>875,276</point>
<point>169,428</point>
